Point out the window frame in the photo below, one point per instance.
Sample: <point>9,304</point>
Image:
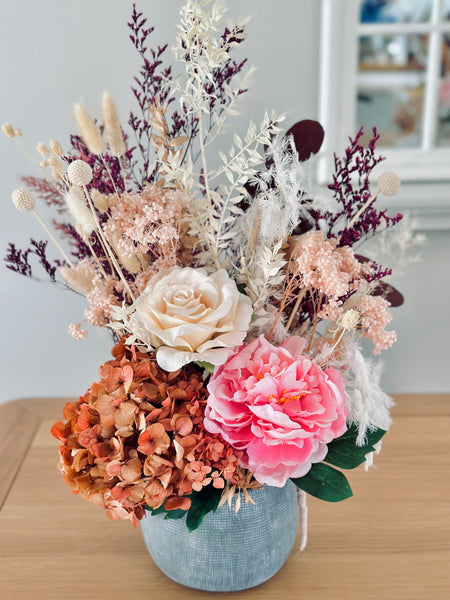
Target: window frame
<point>340,30</point>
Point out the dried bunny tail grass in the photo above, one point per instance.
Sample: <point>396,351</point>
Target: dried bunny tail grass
<point>56,148</point>
<point>79,281</point>
<point>42,149</point>
<point>101,201</point>
<point>130,263</point>
<point>82,214</point>
<point>8,130</point>
<point>89,130</point>
<point>57,168</point>
<point>112,127</point>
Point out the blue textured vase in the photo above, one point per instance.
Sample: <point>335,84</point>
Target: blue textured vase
<point>228,552</point>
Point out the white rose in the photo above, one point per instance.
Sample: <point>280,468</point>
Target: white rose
<point>191,316</point>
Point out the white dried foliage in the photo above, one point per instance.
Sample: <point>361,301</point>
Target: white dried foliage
<point>283,194</point>
<point>263,278</point>
<point>201,49</point>
<point>217,224</point>
<point>397,246</point>
<point>120,322</point>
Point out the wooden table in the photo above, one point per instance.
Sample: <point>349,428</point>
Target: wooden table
<point>390,541</point>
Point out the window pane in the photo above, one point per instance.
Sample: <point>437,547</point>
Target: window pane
<point>391,86</point>
<point>443,128</point>
<point>395,11</point>
<point>446,10</point>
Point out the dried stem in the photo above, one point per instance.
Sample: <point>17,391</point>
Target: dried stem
<point>296,306</point>
<point>108,250</point>
<point>53,238</point>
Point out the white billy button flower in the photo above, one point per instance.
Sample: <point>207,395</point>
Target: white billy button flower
<point>79,173</point>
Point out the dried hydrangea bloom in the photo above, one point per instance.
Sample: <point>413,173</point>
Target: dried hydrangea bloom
<point>137,438</point>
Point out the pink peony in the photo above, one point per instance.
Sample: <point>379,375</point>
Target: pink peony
<point>278,407</point>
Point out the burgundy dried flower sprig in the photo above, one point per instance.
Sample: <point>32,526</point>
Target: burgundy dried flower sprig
<point>18,260</point>
<point>151,83</point>
<point>351,194</point>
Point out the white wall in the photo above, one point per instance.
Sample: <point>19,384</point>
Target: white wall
<point>55,53</point>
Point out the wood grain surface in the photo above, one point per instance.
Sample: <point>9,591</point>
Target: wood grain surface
<point>391,541</point>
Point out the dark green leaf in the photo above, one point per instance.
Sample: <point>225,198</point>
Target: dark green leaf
<point>175,514</point>
<point>324,482</point>
<point>202,503</point>
<point>205,365</point>
<point>156,511</point>
<point>169,514</point>
<point>345,454</point>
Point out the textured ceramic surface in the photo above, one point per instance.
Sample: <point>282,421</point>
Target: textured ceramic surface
<point>229,551</point>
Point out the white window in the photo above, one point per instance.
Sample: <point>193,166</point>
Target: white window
<point>387,63</point>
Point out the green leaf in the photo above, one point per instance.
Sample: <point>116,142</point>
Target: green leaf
<point>202,503</point>
<point>175,514</point>
<point>345,454</point>
<point>242,288</point>
<point>205,365</point>
<point>156,511</point>
<point>324,482</point>
<point>169,514</point>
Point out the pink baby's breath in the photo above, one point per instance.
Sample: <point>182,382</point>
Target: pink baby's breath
<point>325,267</point>
<point>76,332</point>
<point>374,318</point>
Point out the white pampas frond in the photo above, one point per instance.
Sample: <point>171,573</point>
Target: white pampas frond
<point>284,197</point>
<point>79,210</point>
<point>369,405</point>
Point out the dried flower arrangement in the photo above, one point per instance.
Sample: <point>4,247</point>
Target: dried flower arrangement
<point>236,299</point>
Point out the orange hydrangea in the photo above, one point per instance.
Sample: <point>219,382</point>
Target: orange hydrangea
<point>136,438</point>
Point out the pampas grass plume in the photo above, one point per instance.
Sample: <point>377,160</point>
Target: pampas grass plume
<point>112,127</point>
<point>89,130</point>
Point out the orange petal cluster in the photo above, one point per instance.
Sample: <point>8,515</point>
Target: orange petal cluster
<point>136,438</point>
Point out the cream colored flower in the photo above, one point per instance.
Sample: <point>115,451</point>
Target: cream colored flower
<point>189,316</point>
